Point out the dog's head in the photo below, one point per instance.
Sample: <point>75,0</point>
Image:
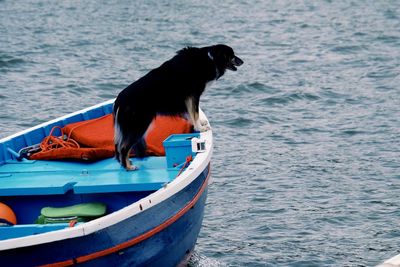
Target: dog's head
<point>224,58</point>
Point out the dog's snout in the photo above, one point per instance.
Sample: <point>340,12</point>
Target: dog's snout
<point>237,61</point>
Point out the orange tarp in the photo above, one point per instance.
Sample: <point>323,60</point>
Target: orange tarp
<point>96,138</point>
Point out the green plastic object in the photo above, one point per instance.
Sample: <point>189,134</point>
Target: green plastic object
<point>80,212</point>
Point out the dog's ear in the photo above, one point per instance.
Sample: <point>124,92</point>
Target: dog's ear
<point>211,53</point>
<point>215,51</point>
<point>221,52</point>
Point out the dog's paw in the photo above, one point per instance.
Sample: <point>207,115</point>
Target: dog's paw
<point>204,122</point>
<point>131,168</point>
<point>203,126</point>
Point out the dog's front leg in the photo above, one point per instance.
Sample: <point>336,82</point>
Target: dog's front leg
<point>192,106</point>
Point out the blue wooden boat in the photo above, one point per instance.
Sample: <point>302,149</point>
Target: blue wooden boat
<point>153,217</point>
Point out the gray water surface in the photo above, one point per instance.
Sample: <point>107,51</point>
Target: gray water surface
<point>306,166</point>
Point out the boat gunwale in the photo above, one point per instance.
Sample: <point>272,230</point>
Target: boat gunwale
<point>197,166</point>
<point>44,124</point>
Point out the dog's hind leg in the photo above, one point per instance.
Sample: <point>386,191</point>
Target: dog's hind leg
<point>124,159</point>
<point>140,152</point>
<point>132,138</point>
<point>117,154</point>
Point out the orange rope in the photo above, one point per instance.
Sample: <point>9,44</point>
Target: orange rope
<point>187,162</point>
<point>72,223</point>
<point>53,142</point>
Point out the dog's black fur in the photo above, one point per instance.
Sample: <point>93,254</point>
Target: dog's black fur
<point>174,88</point>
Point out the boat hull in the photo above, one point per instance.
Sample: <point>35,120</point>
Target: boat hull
<point>154,214</point>
<point>162,235</point>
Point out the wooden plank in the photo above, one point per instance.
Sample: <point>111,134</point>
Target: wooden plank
<point>58,177</point>
<point>23,184</point>
<point>123,181</point>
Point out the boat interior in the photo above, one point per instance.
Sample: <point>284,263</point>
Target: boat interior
<point>27,186</point>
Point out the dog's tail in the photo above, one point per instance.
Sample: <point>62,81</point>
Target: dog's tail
<point>118,136</point>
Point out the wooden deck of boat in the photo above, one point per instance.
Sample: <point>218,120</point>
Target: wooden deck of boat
<point>26,177</point>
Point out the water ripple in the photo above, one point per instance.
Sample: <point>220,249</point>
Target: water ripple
<point>286,98</point>
<point>305,165</point>
<point>254,87</point>
<point>8,62</point>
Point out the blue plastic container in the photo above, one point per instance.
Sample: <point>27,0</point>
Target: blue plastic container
<point>178,147</point>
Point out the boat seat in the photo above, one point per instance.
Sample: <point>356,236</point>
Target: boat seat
<point>19,184</point>
<point>106,182</point>
<point>29,229</point>
<point>105,176</point>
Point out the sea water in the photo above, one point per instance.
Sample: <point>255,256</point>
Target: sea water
<point>306,166</point>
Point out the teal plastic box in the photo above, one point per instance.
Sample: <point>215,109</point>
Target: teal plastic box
<point>177,148</point>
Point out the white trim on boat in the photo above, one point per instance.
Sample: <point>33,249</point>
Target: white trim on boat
<point>392,262</point>
<point>197,166</point>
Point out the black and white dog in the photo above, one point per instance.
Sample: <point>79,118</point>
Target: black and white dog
<point>174,88</point>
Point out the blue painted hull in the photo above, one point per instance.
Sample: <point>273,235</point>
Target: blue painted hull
<point>154,215</point>
<point>159,236</point>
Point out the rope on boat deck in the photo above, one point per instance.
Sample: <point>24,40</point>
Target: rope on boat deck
<point>53,142</point>
<point>187,162</point>
<point>64,141</point>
